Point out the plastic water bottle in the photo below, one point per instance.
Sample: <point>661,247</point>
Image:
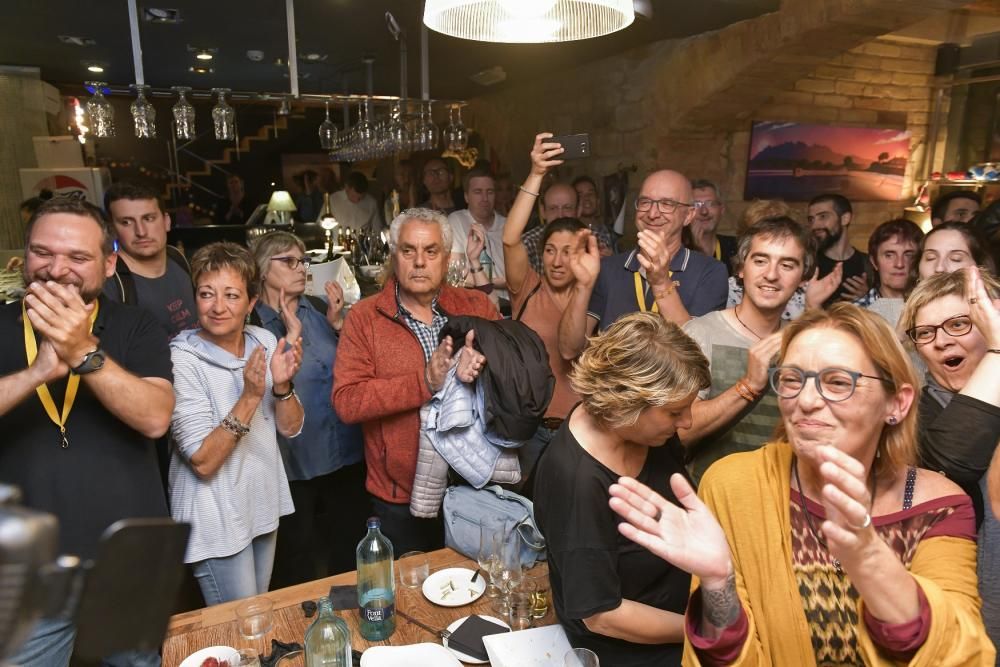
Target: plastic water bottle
<point>376,584</point>
<point>328,641</point>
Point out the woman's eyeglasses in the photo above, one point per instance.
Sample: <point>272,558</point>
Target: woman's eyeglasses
<point>953,326</point>
<point>833,384</point>
<point>293,262</point>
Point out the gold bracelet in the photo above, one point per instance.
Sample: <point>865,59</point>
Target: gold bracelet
<point>668,290</point>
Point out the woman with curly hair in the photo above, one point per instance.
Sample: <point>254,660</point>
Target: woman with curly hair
<point>636,382</point>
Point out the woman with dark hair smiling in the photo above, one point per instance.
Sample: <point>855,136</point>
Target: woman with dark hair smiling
<point>539,300</point>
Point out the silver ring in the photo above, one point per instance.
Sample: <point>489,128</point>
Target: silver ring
<point>868,522</point>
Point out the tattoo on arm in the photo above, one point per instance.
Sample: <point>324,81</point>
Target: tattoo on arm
<point>721,608</point>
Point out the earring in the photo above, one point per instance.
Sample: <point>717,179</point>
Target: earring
<point>892,421</point>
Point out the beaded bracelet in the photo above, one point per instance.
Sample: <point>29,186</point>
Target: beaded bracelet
<point>235,426</point>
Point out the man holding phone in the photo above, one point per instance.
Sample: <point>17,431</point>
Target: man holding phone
<point>660,275</point>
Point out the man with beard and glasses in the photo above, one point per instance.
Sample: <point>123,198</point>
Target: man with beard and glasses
<point>85,387</point>
<point>829,217</point>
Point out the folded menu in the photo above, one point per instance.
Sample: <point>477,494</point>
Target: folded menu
<point>468,637</point>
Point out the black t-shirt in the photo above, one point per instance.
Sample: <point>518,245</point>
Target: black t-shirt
<point>592,567</point>
<point>109,471</point>
<point>855,265</point>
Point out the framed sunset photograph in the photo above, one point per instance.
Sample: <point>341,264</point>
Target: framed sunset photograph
<point>797,161</point>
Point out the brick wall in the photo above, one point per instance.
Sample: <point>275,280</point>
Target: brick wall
<point>688,104</point>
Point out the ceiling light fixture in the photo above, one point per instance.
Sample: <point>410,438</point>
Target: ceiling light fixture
<point>528,21</point>
<point>198,69</point>
<point>73,40</point>
<point>204,55</point>
<point>95,68</point>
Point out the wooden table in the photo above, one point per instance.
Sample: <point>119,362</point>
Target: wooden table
<point>212,626</point>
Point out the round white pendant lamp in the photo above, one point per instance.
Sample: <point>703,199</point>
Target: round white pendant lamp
<point>527,21</point>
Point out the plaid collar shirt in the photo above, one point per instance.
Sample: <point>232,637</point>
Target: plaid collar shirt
<point>427,334</point>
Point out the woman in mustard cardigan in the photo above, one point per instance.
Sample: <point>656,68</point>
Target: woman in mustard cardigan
<point>827,546</point>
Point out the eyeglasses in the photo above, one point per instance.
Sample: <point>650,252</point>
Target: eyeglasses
<point>833,384</point>
<point>706,203</point>
<point>665,206</point>
<point>953,326</point>
<point>440,172</point>
<point>293,262</point>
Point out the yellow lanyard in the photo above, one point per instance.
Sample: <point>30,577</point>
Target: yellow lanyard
<point>640,296</point>
<point>718,249</point>
<point>72,384</point>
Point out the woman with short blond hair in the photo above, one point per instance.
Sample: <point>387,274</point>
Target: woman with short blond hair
<point>636,381</point>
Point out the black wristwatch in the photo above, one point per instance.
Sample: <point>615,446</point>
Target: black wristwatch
<point>94,361</point>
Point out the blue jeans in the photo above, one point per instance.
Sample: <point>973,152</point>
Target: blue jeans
<point>244,574</point>
<point>49,645</point>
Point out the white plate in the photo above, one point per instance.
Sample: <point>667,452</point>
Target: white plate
<point>463,656</point>
<point>535,647</point>
<point>220,653</point>
<point>425,655</point>
<point>462,590</point>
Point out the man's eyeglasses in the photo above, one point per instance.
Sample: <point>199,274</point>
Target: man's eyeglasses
<point>953,326</point>
<point>665,206</point>
<point>440,172</point>
<point>706,203</point>
<point>833,384</point>
<point>293,262</point>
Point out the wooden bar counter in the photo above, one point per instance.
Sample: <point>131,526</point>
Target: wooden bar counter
<point>214,626</point>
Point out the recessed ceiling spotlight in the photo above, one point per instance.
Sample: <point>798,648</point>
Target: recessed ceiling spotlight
<point>255,55</point>
<point>199,69</point>
<point>96,69</point>
<point>314,57</point>
<point>204,55</point>
<point>73,40</point>
<point>158,15</point>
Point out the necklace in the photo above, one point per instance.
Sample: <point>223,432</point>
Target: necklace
<point>808,515</point>
<point>736,312</point>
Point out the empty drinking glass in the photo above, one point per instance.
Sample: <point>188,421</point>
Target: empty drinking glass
<point>520,610</point>
<point>414,568</point>
<point>327,131</point>
<point>455,134</point>
<point>143,114</point>
<point>581,657</point>
<point>100,112</point>
<point>183,113</point>
<point>223,117</point>
<point>255,617</point>
<point>489,538</point>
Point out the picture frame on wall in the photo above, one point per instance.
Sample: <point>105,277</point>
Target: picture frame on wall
<point>797,161</point>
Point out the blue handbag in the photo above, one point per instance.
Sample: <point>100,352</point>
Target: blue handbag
<point>465,508</point>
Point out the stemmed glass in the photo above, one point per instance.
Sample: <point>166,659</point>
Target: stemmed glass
<point>143,114</point>
<point>427,132</point>
<point>364,131</point>
<point>327,131</point>
<point>488,556</point>
<point>183,114</point>
<point>223,117</point>
<point>457,270</point>
<point>100,112</point>
<point>456,135</point>
<point>399,134</point>
<point>508,574</point>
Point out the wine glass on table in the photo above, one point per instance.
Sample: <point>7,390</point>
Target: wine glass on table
<point>488,556</point>
<point>509,574</point>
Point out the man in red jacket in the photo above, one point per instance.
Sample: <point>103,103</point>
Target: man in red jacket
<point>389,364</point>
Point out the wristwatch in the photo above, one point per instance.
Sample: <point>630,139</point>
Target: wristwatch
<point>94,361</point>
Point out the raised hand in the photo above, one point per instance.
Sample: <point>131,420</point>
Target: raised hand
<point>439,364</point>
<point>58,313</point>
<point>255,374</point>
<point>335,307</point>
<point>759,360</point>
<point>820,289</point>
<point>654,258</point>
<point>475,243</point>
<point>855,287</point>
<point>470,360</point>
<point>846,500</point>
<point>985,313</point>
<point>543,154</point>
<point>585,263</point>
<point>286,361</point>
<point>293,326</point>
<point>689,537</point>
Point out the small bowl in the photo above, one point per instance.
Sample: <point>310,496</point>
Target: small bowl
<point>220,653</point>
